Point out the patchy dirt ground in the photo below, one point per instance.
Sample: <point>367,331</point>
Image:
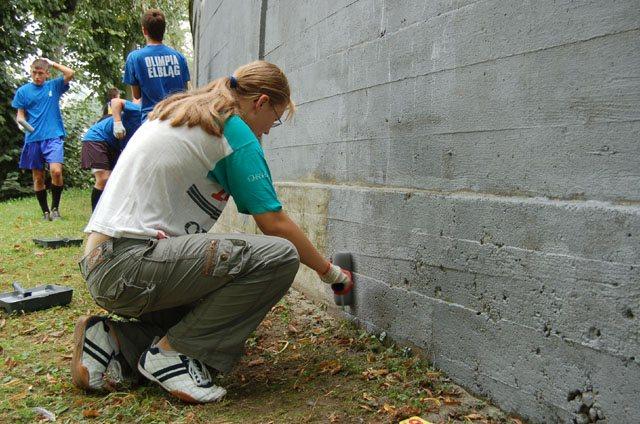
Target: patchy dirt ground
<point>301,365</point>
<point>329,371</point>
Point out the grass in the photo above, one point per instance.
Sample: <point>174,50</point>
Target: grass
<point>301,365</point>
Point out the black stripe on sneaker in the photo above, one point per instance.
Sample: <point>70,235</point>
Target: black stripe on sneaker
<point>96,348</point>
<point>173,374</point>
<point>95,356</point>
<point>206,386</point>
<point>169,369</point>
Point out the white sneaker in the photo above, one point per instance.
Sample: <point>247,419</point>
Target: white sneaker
<point>185,378</point>
<point>94,351</point>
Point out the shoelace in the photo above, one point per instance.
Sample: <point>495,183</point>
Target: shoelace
<point>198,372</point>
<point>113,373</point>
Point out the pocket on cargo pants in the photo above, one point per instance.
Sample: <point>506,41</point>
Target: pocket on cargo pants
<point>225,257</point>
<point>111,276</point>
<point>123,296</point>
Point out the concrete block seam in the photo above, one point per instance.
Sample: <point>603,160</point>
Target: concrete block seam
<point>461,67</point>
<point>632,209</point>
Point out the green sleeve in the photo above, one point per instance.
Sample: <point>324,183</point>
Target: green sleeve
<point>246,177</point>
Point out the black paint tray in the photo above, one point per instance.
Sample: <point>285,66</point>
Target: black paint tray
<point>54,243</point>
<point>41,297</point>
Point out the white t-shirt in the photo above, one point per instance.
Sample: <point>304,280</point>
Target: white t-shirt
<point>168,194</point>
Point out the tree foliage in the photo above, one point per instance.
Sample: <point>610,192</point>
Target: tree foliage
<point>92,37</point>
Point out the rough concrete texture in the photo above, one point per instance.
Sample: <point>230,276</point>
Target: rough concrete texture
<point>481,161</point>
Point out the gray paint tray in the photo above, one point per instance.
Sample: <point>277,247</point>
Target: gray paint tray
<point>54,243</point>
<point>41,297</point>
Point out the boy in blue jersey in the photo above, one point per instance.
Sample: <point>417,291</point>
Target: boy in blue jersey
<point>105,140</point>
<point>155,71</point>
<point>38,104</point>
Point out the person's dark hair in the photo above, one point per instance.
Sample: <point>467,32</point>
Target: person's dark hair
<point>111,93</point>
<point>154,22</point>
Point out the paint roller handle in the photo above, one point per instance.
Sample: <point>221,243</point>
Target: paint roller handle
<point>17,287</point>
<point>343,288</point>
<point>21,291</point>
<point>340,279</point>
<point>24,125</point>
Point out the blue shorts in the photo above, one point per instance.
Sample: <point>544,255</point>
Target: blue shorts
<point>37,153</point>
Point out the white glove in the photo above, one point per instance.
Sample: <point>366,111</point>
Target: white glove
<point>118,130</point>
<point>336,275</point>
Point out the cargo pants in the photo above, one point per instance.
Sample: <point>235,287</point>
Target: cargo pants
<point>206,292</point>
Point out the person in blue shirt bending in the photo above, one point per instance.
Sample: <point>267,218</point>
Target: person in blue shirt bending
<point>105,140</point>
<point>38,105</point>
<point>156,70</point>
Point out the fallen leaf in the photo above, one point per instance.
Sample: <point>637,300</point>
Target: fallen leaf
<point>256,362</point>
<point>57,333</point>
<point>10,363</point>
<point>330,367</point>
<point>90,413</point>
<point>389,409</point>
<point>368,397</point>
<point>394,377</point>
<point>433,400</point>
<point>12,382</point>
<point>474,416</point>
<point>19,396</point>
<point>447,400</point>
<point>28,331</point>
<point>370,373</point>
<point>292,329</point>
<point>277,308</point>
<point>334,417</point>
<point>39,254</point>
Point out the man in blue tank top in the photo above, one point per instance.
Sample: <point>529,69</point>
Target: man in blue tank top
<point>155,71</point>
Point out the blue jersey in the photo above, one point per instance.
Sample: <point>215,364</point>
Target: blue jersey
<point>41,104</point>
<point>159,71</point>
<point>103,131</point>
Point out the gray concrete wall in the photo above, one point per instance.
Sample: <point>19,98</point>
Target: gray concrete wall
<point>481,159</point>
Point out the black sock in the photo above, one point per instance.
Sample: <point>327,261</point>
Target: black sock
<point>56,192</point>
<point>41,195</point>
<point>95,196</point>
